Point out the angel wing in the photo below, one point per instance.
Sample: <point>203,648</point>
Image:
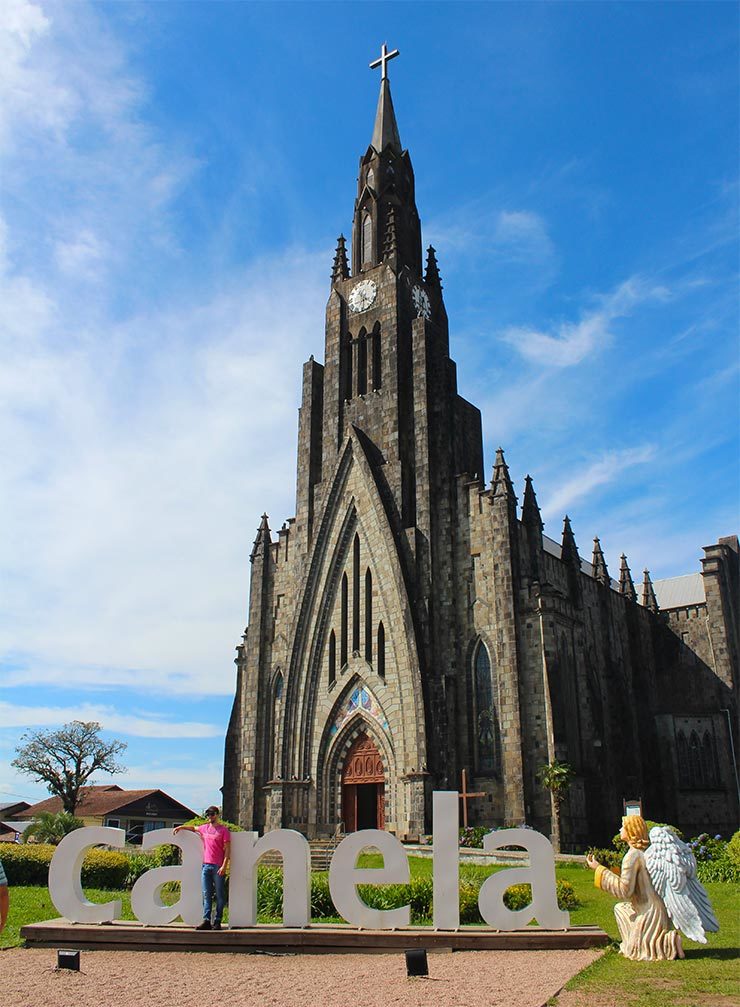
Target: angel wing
<point>672,869</point>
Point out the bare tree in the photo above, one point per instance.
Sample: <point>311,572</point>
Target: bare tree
<point>66,759</point>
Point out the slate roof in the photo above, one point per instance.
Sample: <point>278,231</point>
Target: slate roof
<point>680,592</point>
<point>101,800</point>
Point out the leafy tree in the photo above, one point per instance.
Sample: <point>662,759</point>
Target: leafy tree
<point>51,828</point>
<point>66,759</point>
<point>556,776</point>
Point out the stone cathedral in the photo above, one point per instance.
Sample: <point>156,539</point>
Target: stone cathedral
<point>411,622</point>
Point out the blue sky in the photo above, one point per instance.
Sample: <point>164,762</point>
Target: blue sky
<point>173,179</point>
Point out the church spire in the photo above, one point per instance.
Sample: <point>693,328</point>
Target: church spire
<point>626,584</point>
<point>648,593</point>
<point>431,276</point>
<point>568,547</point>
<point>386,226</point>
<point>502,485</point>
<point>385,131</point>
<point>601,574</point>
<point>263,540</point>
<point>531,516</point>
<point>340,269</point>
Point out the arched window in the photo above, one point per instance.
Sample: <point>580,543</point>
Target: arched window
<point>347,367</point>
<point>371,178</point>
<point>708,763</point>
<point>694,760</point>
<point>367,240</point>
<point>356,595</point>
<point>345,613</point>
<point>332,658</point>
<point>377,372</point>
<point>682,753</point>
<point>381,650</point>
<point>362,362</point>
<point>368,616</point>
<point>273,741</point>
<point>484,720</point>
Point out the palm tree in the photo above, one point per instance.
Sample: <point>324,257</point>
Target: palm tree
<point>51,828</point>
<point>556,776</point>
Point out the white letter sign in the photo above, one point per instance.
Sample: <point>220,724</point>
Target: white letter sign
<point>344,877</point>
<point>65,885</point>
<point>541,876</point>
<point>146,898</point>
<point>246,850</point>
<point>66,893</point>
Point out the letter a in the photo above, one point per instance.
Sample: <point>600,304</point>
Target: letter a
<point>540,875</point>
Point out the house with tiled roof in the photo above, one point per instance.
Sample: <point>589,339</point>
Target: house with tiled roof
<point>135,811</point>
<point>10,828</point>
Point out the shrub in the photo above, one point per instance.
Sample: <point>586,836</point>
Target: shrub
<point>321,900</point>
<point>29,865</point>
<point>621,847</point>
<point>104,869</point>
<point>722,869</point>
<point>472,836</point>
<point>609,858</point>
<point>733,849</point>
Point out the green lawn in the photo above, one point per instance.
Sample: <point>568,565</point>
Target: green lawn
<point>708,975</point>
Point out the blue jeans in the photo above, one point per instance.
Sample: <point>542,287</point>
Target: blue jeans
<point>210,878</point>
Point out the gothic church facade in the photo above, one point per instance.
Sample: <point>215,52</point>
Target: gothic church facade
<point>411,622</point>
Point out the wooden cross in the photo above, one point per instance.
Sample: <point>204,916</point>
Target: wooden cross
<point>465,794</point>
<point>385,56</point>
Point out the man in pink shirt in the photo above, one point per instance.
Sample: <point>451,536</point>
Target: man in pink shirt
<point>216,855</point>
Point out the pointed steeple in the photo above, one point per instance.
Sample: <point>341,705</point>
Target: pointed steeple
<point>568,547</point>
<point>263,540</point>
<point>531,516</point>
<point>431,276</point>
<point>385,131</point>
<point>626,584</point>
<point>340,269</point>
<point>501,484</point>
<point>648,593</point>
<point>601,574</point>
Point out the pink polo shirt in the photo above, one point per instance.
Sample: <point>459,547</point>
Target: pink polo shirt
<point>214,839</point>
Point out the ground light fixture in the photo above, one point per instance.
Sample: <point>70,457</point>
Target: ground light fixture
<point>416,962</point>
<point>68,960</point>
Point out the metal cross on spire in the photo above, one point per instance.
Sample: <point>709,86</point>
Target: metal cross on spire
<point>385,56</point>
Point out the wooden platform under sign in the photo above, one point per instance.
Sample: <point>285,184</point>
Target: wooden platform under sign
<point>318,939</point>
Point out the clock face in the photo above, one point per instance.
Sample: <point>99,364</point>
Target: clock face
<point>421,303</point>
<point>362,296</point>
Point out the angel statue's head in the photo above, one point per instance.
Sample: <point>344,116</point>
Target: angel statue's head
<point>634,831</point>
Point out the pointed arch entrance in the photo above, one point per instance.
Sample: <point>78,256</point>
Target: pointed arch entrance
<point>363,786</point>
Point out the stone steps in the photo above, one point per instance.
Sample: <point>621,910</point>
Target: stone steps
<point>322,851</point>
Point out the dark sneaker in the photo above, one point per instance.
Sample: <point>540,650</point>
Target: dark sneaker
<point>205,925</point>
<point>216,926</point>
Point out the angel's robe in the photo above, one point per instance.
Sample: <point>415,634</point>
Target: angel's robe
<point>644,924</point>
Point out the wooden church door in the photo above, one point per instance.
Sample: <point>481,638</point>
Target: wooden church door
<point>363,787</point>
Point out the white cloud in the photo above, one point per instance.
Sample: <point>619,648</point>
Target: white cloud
<point>80,255</point>
<point>572,342</point>
<point>607,469</point>
<point>515,236</point>
<point>16,715</point>
<point>136,463</point>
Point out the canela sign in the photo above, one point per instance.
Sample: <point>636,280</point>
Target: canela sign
<point>66,892</point>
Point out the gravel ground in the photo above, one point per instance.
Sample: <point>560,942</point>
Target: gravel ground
<point>162,979</point>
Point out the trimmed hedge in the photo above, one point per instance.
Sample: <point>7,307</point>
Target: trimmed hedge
<point>29,865</point>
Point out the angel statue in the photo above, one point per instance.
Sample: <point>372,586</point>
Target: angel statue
<point>658,878</point>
